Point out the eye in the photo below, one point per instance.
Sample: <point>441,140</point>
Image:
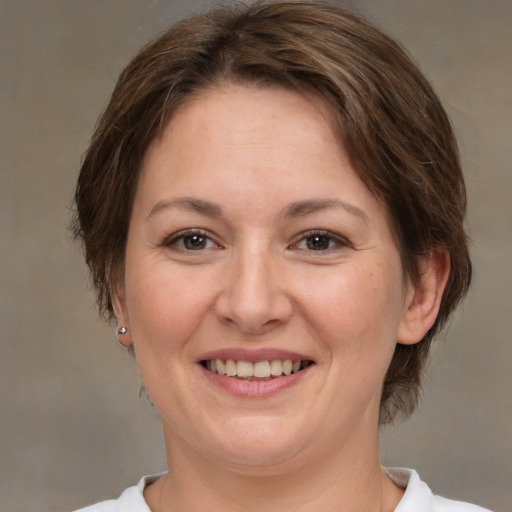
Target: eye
<point>191,240</point>
<point>319,240</point>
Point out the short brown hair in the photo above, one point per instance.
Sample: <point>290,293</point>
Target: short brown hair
<point>390,122</point>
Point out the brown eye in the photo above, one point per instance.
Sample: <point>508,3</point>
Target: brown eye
<point>318,242</point>
<point>195,242</point>
<point>191,240</point>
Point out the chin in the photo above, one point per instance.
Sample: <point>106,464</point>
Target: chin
<point>260,443</point>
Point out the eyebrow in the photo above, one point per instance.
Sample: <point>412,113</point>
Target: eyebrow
<point>188,203</point>
<point>303,208</point>
<point>294,210</point>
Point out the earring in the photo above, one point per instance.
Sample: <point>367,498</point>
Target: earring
<point>120,332</point>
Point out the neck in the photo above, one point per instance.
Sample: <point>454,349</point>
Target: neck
<point>350,480</point>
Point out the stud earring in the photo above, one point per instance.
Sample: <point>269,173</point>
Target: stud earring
<point>122,330</point>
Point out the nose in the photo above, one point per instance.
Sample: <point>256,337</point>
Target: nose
<point>253,298</point>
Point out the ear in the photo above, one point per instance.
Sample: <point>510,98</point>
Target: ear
<point>117,293</point>
<point>424,299</point>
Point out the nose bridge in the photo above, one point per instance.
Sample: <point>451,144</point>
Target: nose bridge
<point>253,299</point>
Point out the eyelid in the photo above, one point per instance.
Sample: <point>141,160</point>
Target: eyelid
<point>338,239</point>
<point>172,239</point>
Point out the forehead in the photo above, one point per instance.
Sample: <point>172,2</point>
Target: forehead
<point>243,116</point>
<point>245,109</point>
<point>276,141</point>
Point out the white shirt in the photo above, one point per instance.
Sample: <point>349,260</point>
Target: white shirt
<point>417,497</point>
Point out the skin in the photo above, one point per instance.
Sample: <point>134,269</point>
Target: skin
<point>232,166</point>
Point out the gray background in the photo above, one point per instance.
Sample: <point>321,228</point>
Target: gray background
<point>73,429</point>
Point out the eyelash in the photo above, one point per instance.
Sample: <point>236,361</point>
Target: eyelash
<point>332,240</point>
<point>320,233</point>
<point>182,236</point>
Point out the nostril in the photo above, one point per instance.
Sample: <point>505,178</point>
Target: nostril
<point>253,316</point>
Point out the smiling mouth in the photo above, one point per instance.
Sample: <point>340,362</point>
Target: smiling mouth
<point>261,370</point>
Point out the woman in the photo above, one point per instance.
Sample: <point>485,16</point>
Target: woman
<point>272,210</point>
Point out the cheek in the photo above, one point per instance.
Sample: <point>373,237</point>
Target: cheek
<point>355,307</point>
<point>166,305</point>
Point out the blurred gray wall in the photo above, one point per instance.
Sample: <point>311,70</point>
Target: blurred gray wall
<point>73,429</point>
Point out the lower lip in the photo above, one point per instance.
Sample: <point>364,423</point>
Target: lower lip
<point>256,388</point>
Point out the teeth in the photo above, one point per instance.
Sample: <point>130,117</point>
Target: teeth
<point>276,367</point>
<point>260,370</point>
<point>231,368</point>
<point>287,367</point>
<point>244,369</point>
<point>221,367</point>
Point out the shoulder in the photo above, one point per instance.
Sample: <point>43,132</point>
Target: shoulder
<point>131,500</point>
<point>419,498</point>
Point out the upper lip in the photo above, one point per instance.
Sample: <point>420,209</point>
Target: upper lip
<point>254,355</point>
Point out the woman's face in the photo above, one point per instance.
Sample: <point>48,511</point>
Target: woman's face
<point>254,244</point>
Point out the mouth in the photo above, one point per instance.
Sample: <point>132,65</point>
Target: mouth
<point>258,371</point>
